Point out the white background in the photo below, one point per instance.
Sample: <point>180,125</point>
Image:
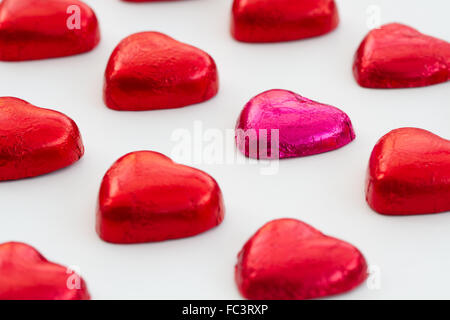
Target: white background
<point>56,213</point>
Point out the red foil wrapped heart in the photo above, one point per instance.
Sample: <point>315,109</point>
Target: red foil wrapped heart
<point>289,260</point>
<point>397,56</point>
<point>35,141</point>
<point>282,20</point>
<point>40,29</point>
<point>146,197</point>
<point>150,70</point>
<point>26,275</point>
<point>409,173</point>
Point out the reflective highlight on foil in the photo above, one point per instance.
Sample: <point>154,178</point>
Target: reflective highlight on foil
<point>282,20</point>
<point>409,173</point>
<point>146,197</point>
<point>305,127</point>
<point>37,29</point>
<point>150,70</point>
<point>398,56</point>
<point>35,141</point>
<point>26,275</point>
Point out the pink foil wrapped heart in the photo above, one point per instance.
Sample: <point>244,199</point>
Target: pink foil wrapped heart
<point>285,123</point>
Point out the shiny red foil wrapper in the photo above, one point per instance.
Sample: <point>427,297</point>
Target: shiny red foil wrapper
<point>35,141</point>
<point>26,275</point>
<point>409,173</point>
<point>150,70</point>
<point>289,260</point>
<point>282,20</point>
<point>40,29</point>
<point>146,197</point>
<point>398,56</point>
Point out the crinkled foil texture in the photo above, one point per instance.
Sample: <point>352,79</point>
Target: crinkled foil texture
<point>289,260</point>
<point>398,56</point>
<point>409,173</point>
<point>35,29</point>
<point>304,127</point>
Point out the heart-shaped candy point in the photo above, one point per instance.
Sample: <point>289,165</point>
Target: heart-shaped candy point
<point>40,29</point>
<point>26,275</point>
<point>282,20</point>
<point>35,141</point>
<point>150,70</point>
<point>285,123</point>
<point>397,56</point>
<point>289,260</point>
<point>409,173</point>
<point>146,197</point>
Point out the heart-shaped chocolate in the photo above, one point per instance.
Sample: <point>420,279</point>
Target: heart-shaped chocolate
<point>35,141</point>
<point>289,260</point>
<point>282,20</point>
<point>397,56</point>
<point>26,275</point>
<point>150,70</point>
<point>409,173</point>
<point>304,127</point>
<point>40,29</point>
<point>146,197</point>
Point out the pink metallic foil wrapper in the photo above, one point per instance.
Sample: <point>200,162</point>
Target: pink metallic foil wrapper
<point>409,173</point>
<point>397,56</point>
<point>40,29</point>
<point>304,127</point>
<point>282,20</point>
<point>26,275</point>
<point>289,260</point>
